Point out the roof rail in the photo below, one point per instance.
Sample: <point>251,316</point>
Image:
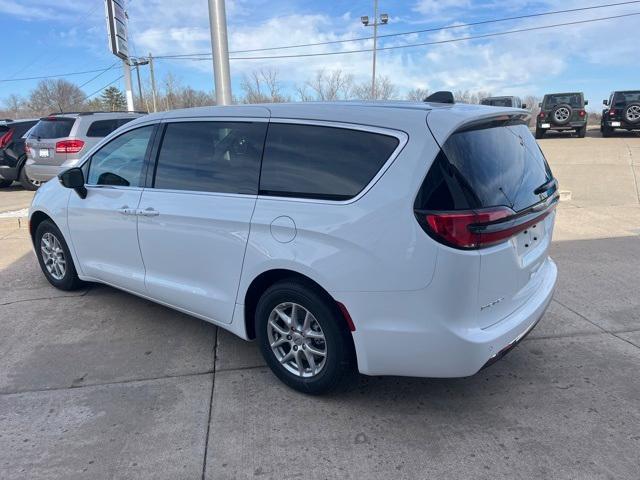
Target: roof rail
<point>441,97</point>
<point>94,111</point>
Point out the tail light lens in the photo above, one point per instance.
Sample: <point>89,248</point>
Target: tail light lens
<point>475,229</point>
<point>582,113</point>
<point>541,115</point>
<point>612,112</point>
<point>6,138</point>
<point>69,146</point>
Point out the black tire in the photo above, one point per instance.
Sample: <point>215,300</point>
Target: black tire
<point>5,183</point>
<point>606,131</point>
<point>68,281</point>
<point>632,118</point>
<point>553,118</point>
<point>582,131</point>
<point>339,360</point>
<point>26,183</point>
<point>539,133</point>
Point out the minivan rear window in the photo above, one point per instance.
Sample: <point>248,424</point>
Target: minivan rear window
<point>489,165</point>
<point>56,127</point>
<point>311,161</point>
<point>102,128</point>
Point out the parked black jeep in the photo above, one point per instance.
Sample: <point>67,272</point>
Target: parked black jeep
<point>562,111</point>
<point>623,112</point>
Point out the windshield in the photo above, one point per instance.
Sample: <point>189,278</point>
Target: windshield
<point>498,102</point>
<point>55,127</point>
<point>622,98</point>
<point>573,99</point>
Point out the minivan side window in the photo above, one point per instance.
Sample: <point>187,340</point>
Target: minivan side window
<point>211,156</point>
<point>311,161</point>
<point>121,161</point>
<point>102,128</point>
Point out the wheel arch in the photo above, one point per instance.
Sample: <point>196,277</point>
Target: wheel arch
<point>35,220</point>
<point>269,277</point>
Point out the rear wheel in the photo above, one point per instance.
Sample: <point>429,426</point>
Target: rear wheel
<point>606,131</point>
<point>303,338</point>
<point>582,131</point>
<point>539,133</point>
<point>54,257</point>
<point>5,183</point>
<point>26,182</point>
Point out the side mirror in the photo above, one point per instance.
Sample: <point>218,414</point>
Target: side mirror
<point>74,178</point>
<point>586,102</point>
<point>540,104</point>
<point>524,105</point>
<point>606,102</point>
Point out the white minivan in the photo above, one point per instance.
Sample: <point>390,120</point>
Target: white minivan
<point>394,238</point>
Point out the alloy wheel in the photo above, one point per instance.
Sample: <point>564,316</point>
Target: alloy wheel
<point>633,113</point>
<point>562,114</point>
<point>53,256</point>
<point>297,340</point>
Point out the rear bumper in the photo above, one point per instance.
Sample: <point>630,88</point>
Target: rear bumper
<point>42,173</point>
<point>396,336</point>
<point>8,173</point>
<point>614,123</point>
<point>568,126</point>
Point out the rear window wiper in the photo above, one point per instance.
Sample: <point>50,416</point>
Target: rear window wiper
<point>553,183</point>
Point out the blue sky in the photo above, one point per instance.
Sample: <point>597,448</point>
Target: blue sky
<point>48,37</point>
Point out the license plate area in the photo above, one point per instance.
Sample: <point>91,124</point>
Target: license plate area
<point>43,153</point>
<point>615,124</point>
<point>545,125</point>
<point>529,239</point>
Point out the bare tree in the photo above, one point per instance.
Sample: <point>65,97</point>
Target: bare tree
<point>14,106</point>
<point>385,90</point>
<point>55,96</point>
<point>532,102</point>
<point>328,86</point>
<point>417,94</point>
<point>466,96</point>
<point>262,86</point>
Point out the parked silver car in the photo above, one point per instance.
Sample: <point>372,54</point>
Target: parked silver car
<point>58,141</point>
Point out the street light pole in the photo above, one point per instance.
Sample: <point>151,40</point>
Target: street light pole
<point>383,20</point>
<point>220,49</point>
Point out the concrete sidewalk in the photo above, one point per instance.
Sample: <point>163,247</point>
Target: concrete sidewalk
<point>102,384</point>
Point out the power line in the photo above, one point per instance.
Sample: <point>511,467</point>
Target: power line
<point>99,74</point>
<point>426,30</point>
<point>100,89</point>
<point>53,76</point>
<point>412,45</point>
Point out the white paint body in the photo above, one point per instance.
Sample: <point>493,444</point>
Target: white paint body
<point>416,304</point>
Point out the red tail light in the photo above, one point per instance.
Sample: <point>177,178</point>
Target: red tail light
<point>612,112</point>
<point>6,138</point>
<point>541,115</point>
<point>582,113</point>
<point>69,146</point>
<point>467,229</point>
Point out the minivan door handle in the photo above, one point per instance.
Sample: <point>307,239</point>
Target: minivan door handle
<point>125,210</point>
<point>148,212</point>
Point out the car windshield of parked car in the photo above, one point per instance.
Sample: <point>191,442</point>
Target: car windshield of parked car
<point>498,102</point>
<point>54,127</point>
<point>120,162</point>
<point>622,98</point>
<point>572,99</point>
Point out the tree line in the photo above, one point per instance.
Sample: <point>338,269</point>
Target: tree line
<point>259,86</point>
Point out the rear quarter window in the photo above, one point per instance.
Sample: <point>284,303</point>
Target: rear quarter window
<point>330,163</point>
<point>102,128</point>
<point>56,127</point>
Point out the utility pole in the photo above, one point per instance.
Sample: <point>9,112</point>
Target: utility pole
<point>383,20</point>
<point>127,85</point>
<point>136,63</point>
<point>220,49</point>
<point>153,83</point>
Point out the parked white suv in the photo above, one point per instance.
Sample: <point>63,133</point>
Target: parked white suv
<point>398,238</point>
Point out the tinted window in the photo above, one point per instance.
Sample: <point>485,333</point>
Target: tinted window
<point>121,161</point>
<point>486,167</point>
<point>102,128</point>
<point>211,157</point>
<point>321,162</point>
<point>55,127</point>
<point>622,98</point>
<point>573,99</point>
<point>498,102</point>
<point>21,128</point>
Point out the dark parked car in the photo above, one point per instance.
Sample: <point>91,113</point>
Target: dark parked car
<point>13,153</point>
<point>514,102</point>
<point>562,112</point>
<point>623,112</point>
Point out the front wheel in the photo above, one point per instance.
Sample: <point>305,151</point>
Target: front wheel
<point>303,338</point>
<point>54,257</point>
<point>26,182</point>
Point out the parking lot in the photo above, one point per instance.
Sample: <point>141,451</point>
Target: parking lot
<point>102,384</point>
